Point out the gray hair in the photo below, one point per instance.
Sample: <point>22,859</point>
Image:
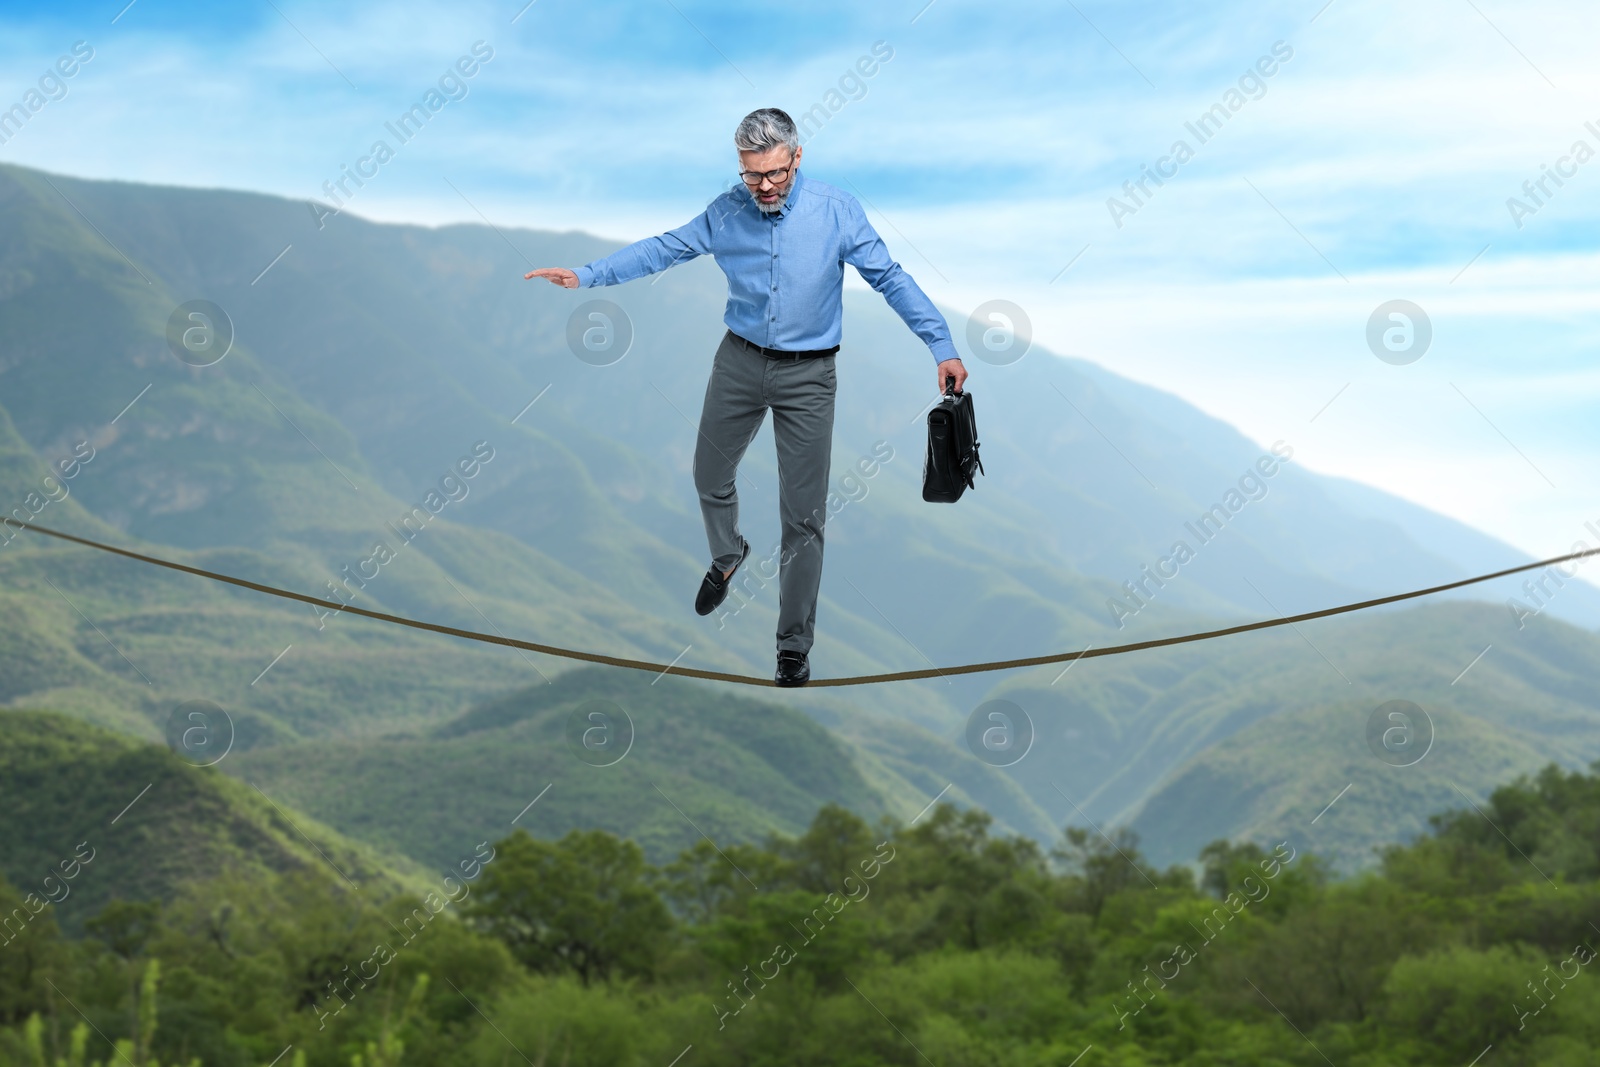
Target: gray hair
<point>765,129</point>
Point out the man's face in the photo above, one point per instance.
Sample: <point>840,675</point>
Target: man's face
<point>767,195</point>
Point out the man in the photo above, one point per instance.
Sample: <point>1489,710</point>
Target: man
<point>783,241</point>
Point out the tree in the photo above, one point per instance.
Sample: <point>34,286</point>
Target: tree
<point>1546,826</point>
<point>829,851</point>
<point>1327,959</point>
<point>708,881</point>
<point>30,946</point>
<point>984,890</point>
<point>125,925</point>
<point>1458,1000</point>
<point>1105,866</point>
<point>585,903</point>
<point>1227,865</point>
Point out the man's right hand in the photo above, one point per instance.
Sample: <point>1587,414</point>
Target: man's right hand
<point>556,275</point>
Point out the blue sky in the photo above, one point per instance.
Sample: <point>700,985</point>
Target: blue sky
<point>1373,164</point>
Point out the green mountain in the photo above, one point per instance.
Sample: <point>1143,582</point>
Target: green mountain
<point>381,375</point>
<point>1343,803</point>
<point>92,816</point>
<point>1238,736</point>
<point>673,760</point>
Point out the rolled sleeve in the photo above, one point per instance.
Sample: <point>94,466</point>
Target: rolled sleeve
<point>863,249</point>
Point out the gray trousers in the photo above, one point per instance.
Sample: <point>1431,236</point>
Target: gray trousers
<point>744,384</point>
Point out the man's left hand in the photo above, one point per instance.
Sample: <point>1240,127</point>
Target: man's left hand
<point>952,368</point>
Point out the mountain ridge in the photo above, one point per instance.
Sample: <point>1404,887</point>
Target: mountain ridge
<point>371,357</point>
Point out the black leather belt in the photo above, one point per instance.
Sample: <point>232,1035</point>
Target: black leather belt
<point>780,353</point>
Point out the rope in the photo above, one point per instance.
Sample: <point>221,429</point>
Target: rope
<point>864,679</point>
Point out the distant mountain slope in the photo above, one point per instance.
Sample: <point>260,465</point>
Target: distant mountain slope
<point>1265,785</point>
<point>393,347</point>
<point>1470,549</point>
<point>1115,735</point>
<point>122,643</point>
<point>369,359</point>
<point>148,822</point>
<point>365,366</point>
<point>702,759</point>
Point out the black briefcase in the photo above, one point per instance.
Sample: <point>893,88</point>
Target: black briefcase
<point>952,457</point>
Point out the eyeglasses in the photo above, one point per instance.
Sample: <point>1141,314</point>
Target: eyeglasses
<point>776,177</point>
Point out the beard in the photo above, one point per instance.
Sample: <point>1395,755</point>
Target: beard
<point>788,184</point>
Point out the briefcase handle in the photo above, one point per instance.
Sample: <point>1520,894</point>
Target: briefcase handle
<point>950,386</point>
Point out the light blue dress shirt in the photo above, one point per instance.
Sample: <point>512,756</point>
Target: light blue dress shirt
<point>785,268</point>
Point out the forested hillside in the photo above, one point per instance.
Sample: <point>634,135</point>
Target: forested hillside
<point>930,941</point>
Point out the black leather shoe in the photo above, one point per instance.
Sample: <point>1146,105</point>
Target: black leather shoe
<point>714,587</point>
<point>793,669</point>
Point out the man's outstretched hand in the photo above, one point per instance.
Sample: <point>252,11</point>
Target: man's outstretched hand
<point>556,275</point>
<point>952,368</point>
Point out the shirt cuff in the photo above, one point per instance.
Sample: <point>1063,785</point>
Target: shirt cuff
<point>585,276</point>
<point>943,350</point>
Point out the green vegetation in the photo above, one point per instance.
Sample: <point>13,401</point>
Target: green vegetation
<point>1252,736</point>
<point>739,767</point>
<point>849,942</point>
<point>137,823</point>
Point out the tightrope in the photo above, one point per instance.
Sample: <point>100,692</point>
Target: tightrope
<point>746,679</point>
